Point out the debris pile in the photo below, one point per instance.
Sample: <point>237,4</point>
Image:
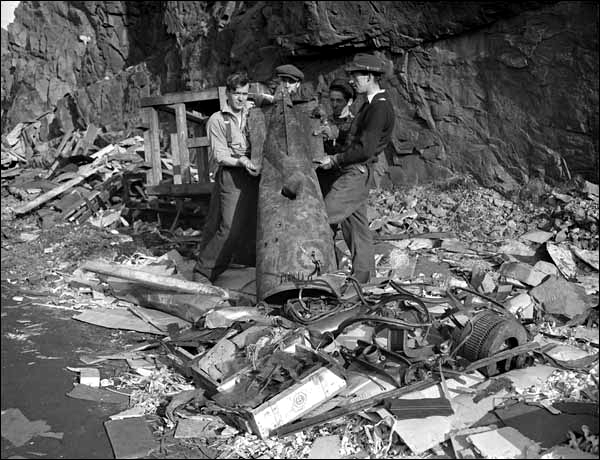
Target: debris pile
<point>481,325</point>
<point>458,205</point>
<point>86,175</point>
<point>385,363</point>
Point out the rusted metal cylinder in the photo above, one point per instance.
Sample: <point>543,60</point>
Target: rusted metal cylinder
<point>294,240</point>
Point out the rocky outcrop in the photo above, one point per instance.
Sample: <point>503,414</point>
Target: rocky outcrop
<point>84,62</point>
<point>505,91</point>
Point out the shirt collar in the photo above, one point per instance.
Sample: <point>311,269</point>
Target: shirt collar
<point>346,111</point>
<point>227,109</point>
<point>370,98</point>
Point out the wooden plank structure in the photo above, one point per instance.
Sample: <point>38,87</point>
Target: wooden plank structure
<point>181,142</point>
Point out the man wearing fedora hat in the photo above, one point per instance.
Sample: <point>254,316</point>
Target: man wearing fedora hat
<point>370,133</point>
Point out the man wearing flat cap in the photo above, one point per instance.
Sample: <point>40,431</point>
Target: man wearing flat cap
<point>371,131</point>
<point>289,73</point>
<point>291,77</point>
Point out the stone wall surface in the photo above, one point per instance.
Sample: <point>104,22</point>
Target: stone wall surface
<point>505,91</point>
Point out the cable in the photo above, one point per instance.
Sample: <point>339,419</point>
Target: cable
<point>394,322</point>
<point>358,289</point>
<point>462,342</point>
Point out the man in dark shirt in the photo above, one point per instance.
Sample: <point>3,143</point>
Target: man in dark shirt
<point>370,133</point>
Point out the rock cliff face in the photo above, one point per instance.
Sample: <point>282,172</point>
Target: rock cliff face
<point>506,91</point>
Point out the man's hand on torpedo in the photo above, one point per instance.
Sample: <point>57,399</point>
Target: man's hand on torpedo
<point>250,167</point>
<point>327,162</point>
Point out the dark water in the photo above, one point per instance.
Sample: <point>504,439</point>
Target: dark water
<point>37,386</point>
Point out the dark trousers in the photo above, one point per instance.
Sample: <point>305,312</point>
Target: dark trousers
<point>346,203</point>
<point>230,229</point>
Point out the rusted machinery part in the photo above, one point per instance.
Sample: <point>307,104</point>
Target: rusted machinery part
<point>489,334</point>
<point>482,324</point>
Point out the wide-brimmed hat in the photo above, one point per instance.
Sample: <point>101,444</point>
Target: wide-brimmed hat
<point>363,62</point>
<point>342,85</point>
<point>289,70</point>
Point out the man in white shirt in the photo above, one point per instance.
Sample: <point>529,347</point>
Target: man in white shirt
<point>231,223</point>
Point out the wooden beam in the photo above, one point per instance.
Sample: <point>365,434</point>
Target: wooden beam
<point>182,134</point>
<point>190,116</point>
<point>179,98</point>
<point>152,116</point>
<point>83,172</point>
<point>195,142</point>
<point>194,189</point>
<point>222,96</point>
<point>202,161</point>
<point>86,141</point>
<point>64,141</point>
<point>157,281</point>
<point>175,158</point>
<point>148,155</point>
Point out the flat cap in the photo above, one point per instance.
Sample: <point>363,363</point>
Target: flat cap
<point>342,85</point>
<point>289,70</point>
<point>366,63</point>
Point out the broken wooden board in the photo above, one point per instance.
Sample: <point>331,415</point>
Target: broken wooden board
<point>83,172</point>
<point>86,141</point>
